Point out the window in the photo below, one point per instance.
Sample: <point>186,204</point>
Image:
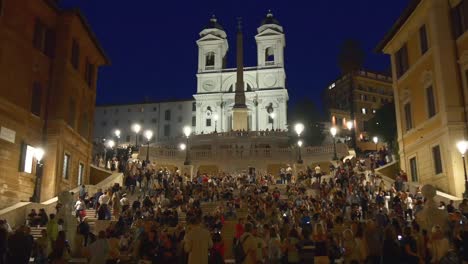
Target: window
<point>155,109</point>
<point>431,107</point>
<point>154,120</point>
<point>413,169</point>
<point>44,38</point>
<point>208,122</point>
<point>27,156</point>
<point>194,107</point>
<point>129,110</point>
<point>194,121</point>
<point>104,123</point>
<point>437,159</point>
<point>269,56</point>
<point>408,116</point>
<point>104,111</point>
<point>179,119</point>
<point>36,99</point>
<point>460,18</point>
<point>401,60</point>
<point>363,110</point>
<point>75,54</point>
<point>116,110</point>
<point>127,138</point>
<point>80,173</point>
<point>210,60</point>
<point>167,130</point>
<point>423,39</point>
<point>116,122</point>
<point>66,164</point>
<point>71,113</point>
<point>167,115</point>
<point>84,125</point>
<point>89,73</point>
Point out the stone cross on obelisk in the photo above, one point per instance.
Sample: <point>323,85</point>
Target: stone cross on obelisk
<point>240,111</point>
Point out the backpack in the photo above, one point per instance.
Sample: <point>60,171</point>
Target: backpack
<point>239,253</point>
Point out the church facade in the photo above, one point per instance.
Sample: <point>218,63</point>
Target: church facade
<point>211,109</point>
<point>266,95</point>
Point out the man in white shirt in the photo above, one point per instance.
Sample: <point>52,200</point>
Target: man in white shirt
<point>104,199</point>
<point>124,202</point>
<point>318,173</point>
<point>409,206</point>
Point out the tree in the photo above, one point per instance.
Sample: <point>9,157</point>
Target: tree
<point>350,60</point>
<point>306,112</point>
<point>383,124</point>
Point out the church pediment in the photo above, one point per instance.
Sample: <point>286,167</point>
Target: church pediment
<point>210,37</point>
<point>269,32</point>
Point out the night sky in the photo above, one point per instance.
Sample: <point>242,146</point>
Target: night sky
<point>151,43</point>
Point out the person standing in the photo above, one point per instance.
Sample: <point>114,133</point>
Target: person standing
<point>249,245</point>
<point>318,173</point>
<point>197,242</point>
<point>52,229</point>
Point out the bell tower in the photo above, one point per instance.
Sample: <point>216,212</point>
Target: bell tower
<point>212,47</point>
<point>270,42</point>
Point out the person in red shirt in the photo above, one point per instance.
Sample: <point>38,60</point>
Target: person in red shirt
<point>239,228</point>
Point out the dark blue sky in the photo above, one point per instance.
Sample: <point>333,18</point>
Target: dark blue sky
<point>151,43</point>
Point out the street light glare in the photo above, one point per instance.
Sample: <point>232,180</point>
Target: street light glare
<point>299,143</point>
<point>117,133</point>
<point>187,131</point>
<point>375,139</point>
<point>272,115</point>
<point>333,131</point>
<point>215,117</point>
<point>38,154</point>
<point>349,124</point>
<point>182,146</point>
<point>110,143</point>
<point>462,146</point>
<point>136,128</point>
<point>148,134</point>
<point>299,128</point>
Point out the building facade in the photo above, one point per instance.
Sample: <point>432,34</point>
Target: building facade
<point>49,59</point>
<point>369,91</point>
<point>265,84</point>
<point>166,119</point>
<point>428,46</point>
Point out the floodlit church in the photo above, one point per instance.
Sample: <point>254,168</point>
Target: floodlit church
<point>264,94</point>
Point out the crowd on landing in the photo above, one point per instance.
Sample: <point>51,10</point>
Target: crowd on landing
<point>346,215</point>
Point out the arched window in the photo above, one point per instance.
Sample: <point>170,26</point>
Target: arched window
<point>269,56</point>
<point>210,60</point>
<point>249,88</point>
<point>231,88</point>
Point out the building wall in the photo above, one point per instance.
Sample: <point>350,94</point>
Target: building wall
<point>371,91</point>
<point>151,116</point>
<point>25,66</point>
<point>433,68</point>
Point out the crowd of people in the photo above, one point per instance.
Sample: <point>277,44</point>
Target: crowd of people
<point>346,215</point>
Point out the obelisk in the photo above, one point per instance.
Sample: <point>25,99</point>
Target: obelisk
<point>240,111</point>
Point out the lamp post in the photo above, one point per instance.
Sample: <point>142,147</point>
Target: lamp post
<point>148,136</point>
<point>272,116</point>
<point>117,136</point>
<point>376,140</point>
<point>187,132</point>
<point>333,131</point>
<point>299,128</point>
<point>182,146</point>
<point>136,128</point>
<point>38,155</point>
<point>299,144</point>
<point>215,117</point>
<point>462,147</point>
<point>349,125</point>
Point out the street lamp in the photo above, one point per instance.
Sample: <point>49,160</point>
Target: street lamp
<point>148,136</point>
<point>38,155</point>
<point>272,116</point>
<point>376,140</point>
<point>187,132</point>
<point>136,128</point>
<point>333,131</point>
<point>462,147</point>
<point>299,128</point>
<point>349,125</point>
<point>109,144</point>
<point>299,144</point>
<point>215,117</point>
<point>182,146</point>
<point>117,136</point>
